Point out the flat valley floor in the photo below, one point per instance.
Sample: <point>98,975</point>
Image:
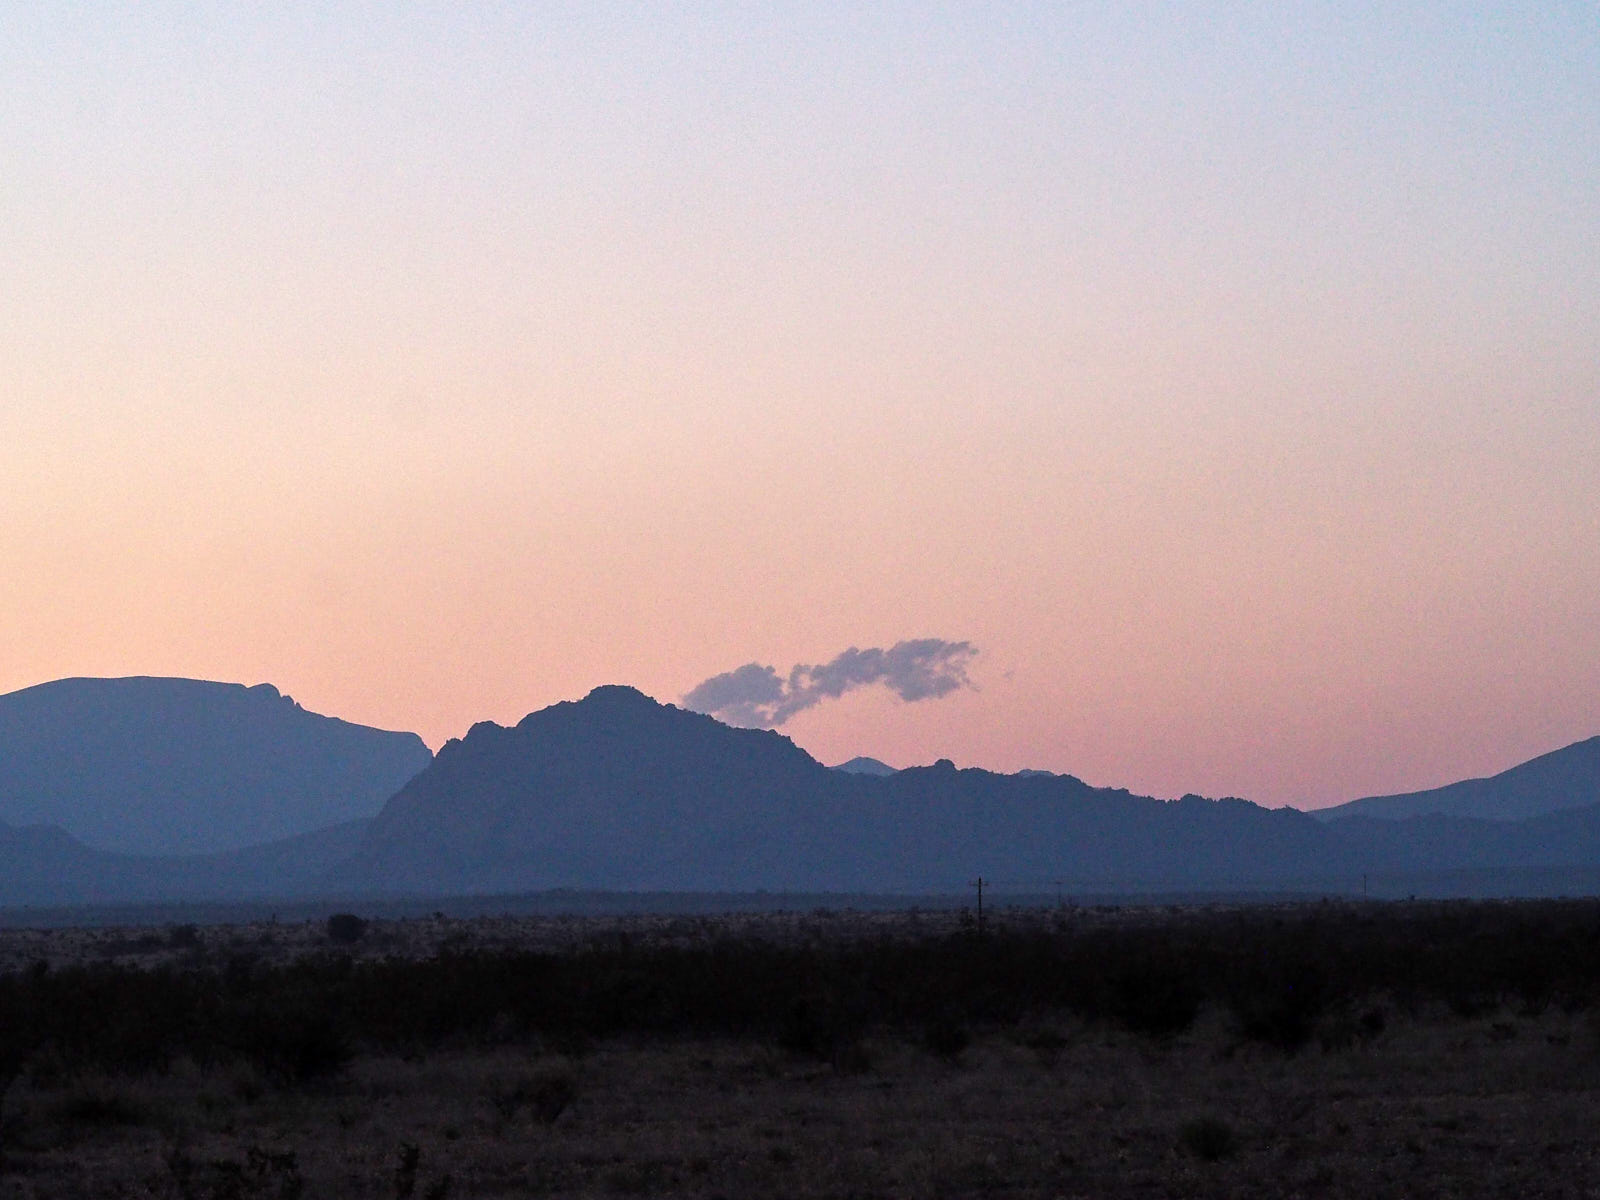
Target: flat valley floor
<point>1382,1102</point>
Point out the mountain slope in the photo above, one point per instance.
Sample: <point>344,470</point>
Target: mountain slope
<point>862,765</point>
<point>169,766</point>
<point>617,791</point>
<point>41,865</point>
<point>595,793</point>
<point>1563,779</point>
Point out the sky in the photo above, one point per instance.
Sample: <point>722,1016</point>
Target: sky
<point>1224,376</point>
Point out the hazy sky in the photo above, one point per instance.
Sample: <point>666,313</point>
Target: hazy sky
<point>1228,376</point>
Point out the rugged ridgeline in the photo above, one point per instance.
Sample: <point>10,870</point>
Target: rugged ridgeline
<point>614,791</point>
<point>181,766</point>
<point>618,792</point>
<point>862,765</point>
<point>1563,779</point>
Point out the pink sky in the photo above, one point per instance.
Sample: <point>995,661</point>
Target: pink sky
<point>1230,382</point>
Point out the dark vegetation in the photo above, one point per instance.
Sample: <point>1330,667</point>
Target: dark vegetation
<point>1326,1049</point>
<point>1208,1138</point>
<point>1281,978</point>
<point>346,929</point>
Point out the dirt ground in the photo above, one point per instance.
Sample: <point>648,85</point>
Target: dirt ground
<point>1497,1106</point>
<point>1386,1101</point>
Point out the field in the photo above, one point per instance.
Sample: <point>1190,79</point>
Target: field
<point>1310,1050</point>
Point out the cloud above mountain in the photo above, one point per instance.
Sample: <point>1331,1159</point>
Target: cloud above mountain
<point>756,696</point>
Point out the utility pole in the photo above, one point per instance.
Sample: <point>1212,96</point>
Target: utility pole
<point>978,883</point>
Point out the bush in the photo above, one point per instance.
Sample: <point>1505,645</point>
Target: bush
<point>93,1105</point>
<point>548,1095</point>
<point>947,1038</point>
<point>1157,1001</point>
<point>1285,975</point>
<point>295,1045</point>
<point>820,1027</point>
<point>1209,1139</point>
<point>1281,1012</point>
<point>345,929</point>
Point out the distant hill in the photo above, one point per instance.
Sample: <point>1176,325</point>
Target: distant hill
<point>1563,779</point>
<point>175,766</point>
<point>862,765</point>
<point>41,865</point>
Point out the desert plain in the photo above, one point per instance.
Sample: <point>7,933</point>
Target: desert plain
<point>1315,1050</point>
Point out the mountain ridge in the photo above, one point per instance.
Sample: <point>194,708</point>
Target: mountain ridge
<point>617,792</point>
<point>151,764</point>
<point>1565,778</point>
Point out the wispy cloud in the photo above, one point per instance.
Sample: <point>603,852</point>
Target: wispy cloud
<point>757,696</point>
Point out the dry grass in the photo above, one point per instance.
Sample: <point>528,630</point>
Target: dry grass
<point>1412,1097</point>
<point>423,937</point>
<point>1433,1106</point>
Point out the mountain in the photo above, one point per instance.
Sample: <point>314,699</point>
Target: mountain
<point>862,765</point>
<point>619,792</point>
<point>42,865</point>
<point>1563,779</point>
<point>609,792</point>
<point>182,766</point>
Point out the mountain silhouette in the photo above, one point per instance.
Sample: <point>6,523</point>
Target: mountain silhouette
<point>183,766</point>
<point>1563,779</point>
<point>42,864</point>
<point>601,793</point>
<point>617,791</point>
<point>862,765</point>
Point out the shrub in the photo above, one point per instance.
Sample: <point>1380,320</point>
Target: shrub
<point>294,1045</point>
<point>947,1038</point>
<point>548,1095</point>
<point>1209,1139</point>
<point>1047,1044</point>
<point>1280,1012</point>
<point>1157,1001</point>
<point>1285,975</point>
<point>90,1105</point>
<point>345,929</point>
<point>551,1096</point>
